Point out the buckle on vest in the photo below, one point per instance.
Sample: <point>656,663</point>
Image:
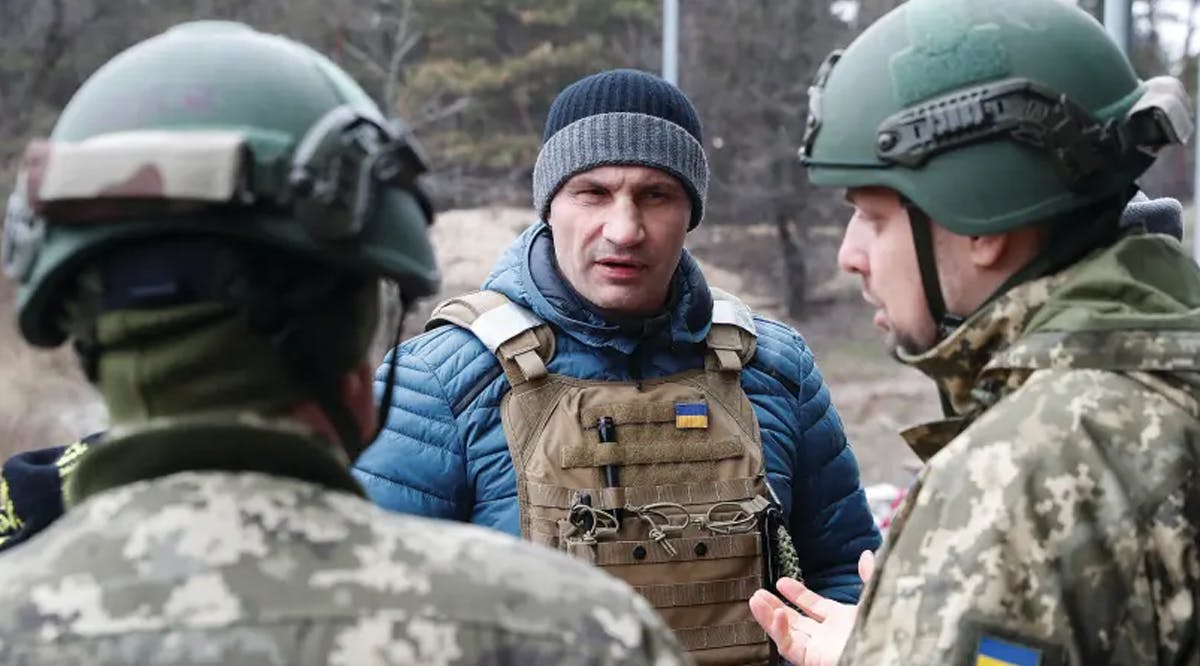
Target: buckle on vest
<point>589,523</point>
<point>663,524</point>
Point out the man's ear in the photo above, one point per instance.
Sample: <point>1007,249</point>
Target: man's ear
<point>1007,251</point>
<point>988,251</point>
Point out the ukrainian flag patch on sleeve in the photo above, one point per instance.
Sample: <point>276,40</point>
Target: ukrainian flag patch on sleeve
<point>996,652</point>
<point>691,415</point>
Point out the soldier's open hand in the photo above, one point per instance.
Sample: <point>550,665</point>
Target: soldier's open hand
<point>816,635</point>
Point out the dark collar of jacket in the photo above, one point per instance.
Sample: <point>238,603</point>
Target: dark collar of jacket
<point>528,274</point>
<point>31,489</point>
<point>226,443</point>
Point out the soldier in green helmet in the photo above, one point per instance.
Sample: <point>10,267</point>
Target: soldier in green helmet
<point>987,150</point>
<point>209,224</point>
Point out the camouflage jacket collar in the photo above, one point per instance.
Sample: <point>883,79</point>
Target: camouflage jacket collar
<point>963,365</point>
<point>245,443</point>
<point>1133,307</point>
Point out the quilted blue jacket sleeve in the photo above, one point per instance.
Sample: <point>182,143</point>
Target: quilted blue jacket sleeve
<point>810,464</point>
<point>417,464</point>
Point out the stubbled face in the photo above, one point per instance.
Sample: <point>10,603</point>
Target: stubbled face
<point>618,235</point>
<point>878,247</point>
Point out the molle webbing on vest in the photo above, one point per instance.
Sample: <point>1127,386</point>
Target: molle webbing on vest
<point>673,499</point>
<point>676,449</point>
<point>607,499</point>
<point>687,550</point>
<point>641,412</point>
<point>673,595</point>
<point>726,635</point>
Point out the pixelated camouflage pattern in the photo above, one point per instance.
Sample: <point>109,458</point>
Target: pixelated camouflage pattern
<point>250,568</point>
<point>1060,504</point>
<point>957,363</point>
<point>10,521</point>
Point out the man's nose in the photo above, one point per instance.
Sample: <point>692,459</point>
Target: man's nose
<point>624,225</point>
<point>852,253</point>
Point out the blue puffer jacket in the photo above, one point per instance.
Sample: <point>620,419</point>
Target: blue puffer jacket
<point>443,453</point>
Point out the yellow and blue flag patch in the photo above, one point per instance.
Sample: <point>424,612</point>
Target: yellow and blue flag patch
<point>691,415</point>
<point>995,652</point>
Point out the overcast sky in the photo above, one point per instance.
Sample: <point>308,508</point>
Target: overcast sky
<point>1172,26</point>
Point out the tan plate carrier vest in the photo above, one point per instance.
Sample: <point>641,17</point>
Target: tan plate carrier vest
<point>684,523</point>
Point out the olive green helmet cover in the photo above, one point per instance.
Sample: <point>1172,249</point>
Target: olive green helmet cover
<point>215,129</point>
<point>988,115</point>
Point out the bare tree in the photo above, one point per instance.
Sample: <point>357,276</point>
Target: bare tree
<point>36,40</point>
<point>1189,32</point>
<point>749,66</point>
<point>383,45</point>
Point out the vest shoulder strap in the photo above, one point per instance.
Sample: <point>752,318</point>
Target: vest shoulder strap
<point>732,337</point>
<point>524,343</point>
<point>521,341</point>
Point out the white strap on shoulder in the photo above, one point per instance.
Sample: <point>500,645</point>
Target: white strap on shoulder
<point>733,312</point>
<point>503,323</point>
<point>732,336</point>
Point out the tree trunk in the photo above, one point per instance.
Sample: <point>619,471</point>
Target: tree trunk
<point>795,273</point>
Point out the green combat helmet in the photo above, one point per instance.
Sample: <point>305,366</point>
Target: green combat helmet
<point>215,132</point>
<point>987,116</point>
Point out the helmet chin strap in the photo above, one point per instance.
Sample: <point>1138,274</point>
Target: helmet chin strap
<point>922,233</point>
<point>1096,226</point>
<point>945,321</point>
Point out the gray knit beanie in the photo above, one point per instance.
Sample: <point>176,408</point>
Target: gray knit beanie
<point>621,116</point>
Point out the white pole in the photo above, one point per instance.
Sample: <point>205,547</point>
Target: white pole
<point>670,41</point>
<point>1116,21</point>
<point>1196,175</point>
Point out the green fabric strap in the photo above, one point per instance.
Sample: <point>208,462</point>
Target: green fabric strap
<point>227,443</point>
<point>188,359</point>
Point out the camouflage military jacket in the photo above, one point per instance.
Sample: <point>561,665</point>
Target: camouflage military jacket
<point>169,559</point>
<point>1056,519</point>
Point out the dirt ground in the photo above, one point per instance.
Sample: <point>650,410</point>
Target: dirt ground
<point>44,401</point>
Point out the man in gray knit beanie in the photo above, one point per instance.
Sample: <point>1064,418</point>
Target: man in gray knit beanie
<point>645,412</point>
<point>621,117</point>
<point>614,138</point>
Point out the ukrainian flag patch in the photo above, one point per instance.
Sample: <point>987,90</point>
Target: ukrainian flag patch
<point>995,652</point>
<point>691,415</point>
